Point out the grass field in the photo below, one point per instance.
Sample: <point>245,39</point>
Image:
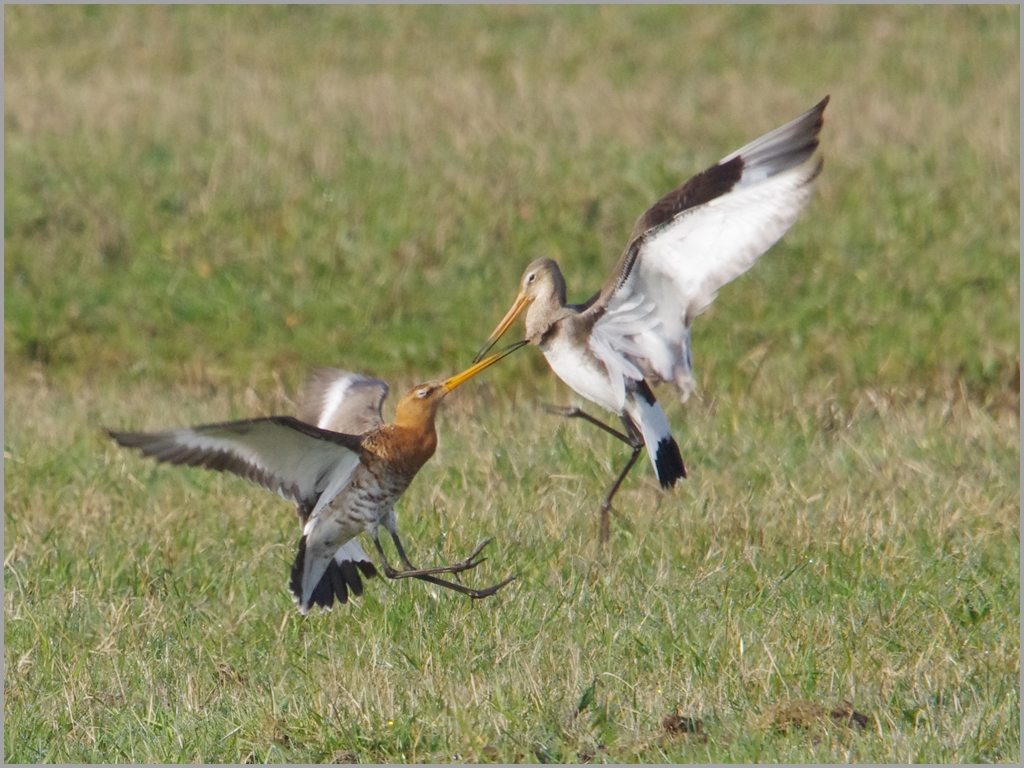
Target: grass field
<point>200,203</point>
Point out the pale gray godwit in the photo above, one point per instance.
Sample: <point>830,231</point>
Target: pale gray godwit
<point>683,249</point>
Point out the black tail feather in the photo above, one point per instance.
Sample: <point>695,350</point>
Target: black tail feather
<point>337,577</point>
<point>645,419</point>
<point>669,463</point>
<point>347,573</point>
<point>337,581</point>
<point>295,582</point>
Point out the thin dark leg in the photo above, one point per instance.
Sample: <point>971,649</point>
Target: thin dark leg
<point>606,505</point>
<point>476,594</point>
<point>459,567</point>
<point>633,438</point>
<point>425,574</point>
<point>576,413</point>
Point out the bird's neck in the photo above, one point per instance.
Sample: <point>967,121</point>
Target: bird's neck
<point>540,317</point>
<point>411,443</point>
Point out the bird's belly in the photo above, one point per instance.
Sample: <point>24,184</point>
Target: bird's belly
<point>582,371</point>
<point>361,506</point>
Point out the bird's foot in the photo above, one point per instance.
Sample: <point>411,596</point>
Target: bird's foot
<point>428,574</point>
<point>476,594</point>
<point>412,572</point>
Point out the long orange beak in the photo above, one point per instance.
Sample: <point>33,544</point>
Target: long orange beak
<point>473,370</point>
<point>510,317</point>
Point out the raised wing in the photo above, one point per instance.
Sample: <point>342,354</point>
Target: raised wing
<point>280,453</point>
<point>701,236</point>
<point>342,402</point>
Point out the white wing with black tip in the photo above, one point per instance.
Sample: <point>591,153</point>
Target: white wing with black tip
<point>297,460</point>
<point>700,237</point>
<point>342,401</point>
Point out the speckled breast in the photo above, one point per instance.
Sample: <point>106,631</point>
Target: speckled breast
<point>370,494</point>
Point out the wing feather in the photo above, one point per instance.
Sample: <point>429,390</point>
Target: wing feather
<point>705,248</point>
<point>280,453</point>
<point>342,401</point>
<point>703,235</point>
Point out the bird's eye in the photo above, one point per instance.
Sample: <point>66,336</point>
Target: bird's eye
<point>423,393</point>
<point>531,277</point>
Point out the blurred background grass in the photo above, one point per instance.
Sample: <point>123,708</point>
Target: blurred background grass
<point>200,202</point>
<point>246,190</point>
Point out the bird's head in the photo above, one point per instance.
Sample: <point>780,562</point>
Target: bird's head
<point>542,281</point>
<point>419,405</point>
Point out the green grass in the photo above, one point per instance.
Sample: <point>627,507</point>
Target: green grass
<point>201,203</point>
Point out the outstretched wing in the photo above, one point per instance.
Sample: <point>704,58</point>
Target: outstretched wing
<point>342,401</point>
<point>703,235</point>
<point>280,453</point>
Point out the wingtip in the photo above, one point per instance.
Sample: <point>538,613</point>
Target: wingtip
<point>817,112</point>
<point>117,436</point>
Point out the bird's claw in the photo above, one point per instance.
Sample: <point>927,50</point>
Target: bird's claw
<point>477,594</point>
<point>468,562</point>
<point>428,574</point>
<point>463,565</point>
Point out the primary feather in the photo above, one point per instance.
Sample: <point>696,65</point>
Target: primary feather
<point>699,237</point>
